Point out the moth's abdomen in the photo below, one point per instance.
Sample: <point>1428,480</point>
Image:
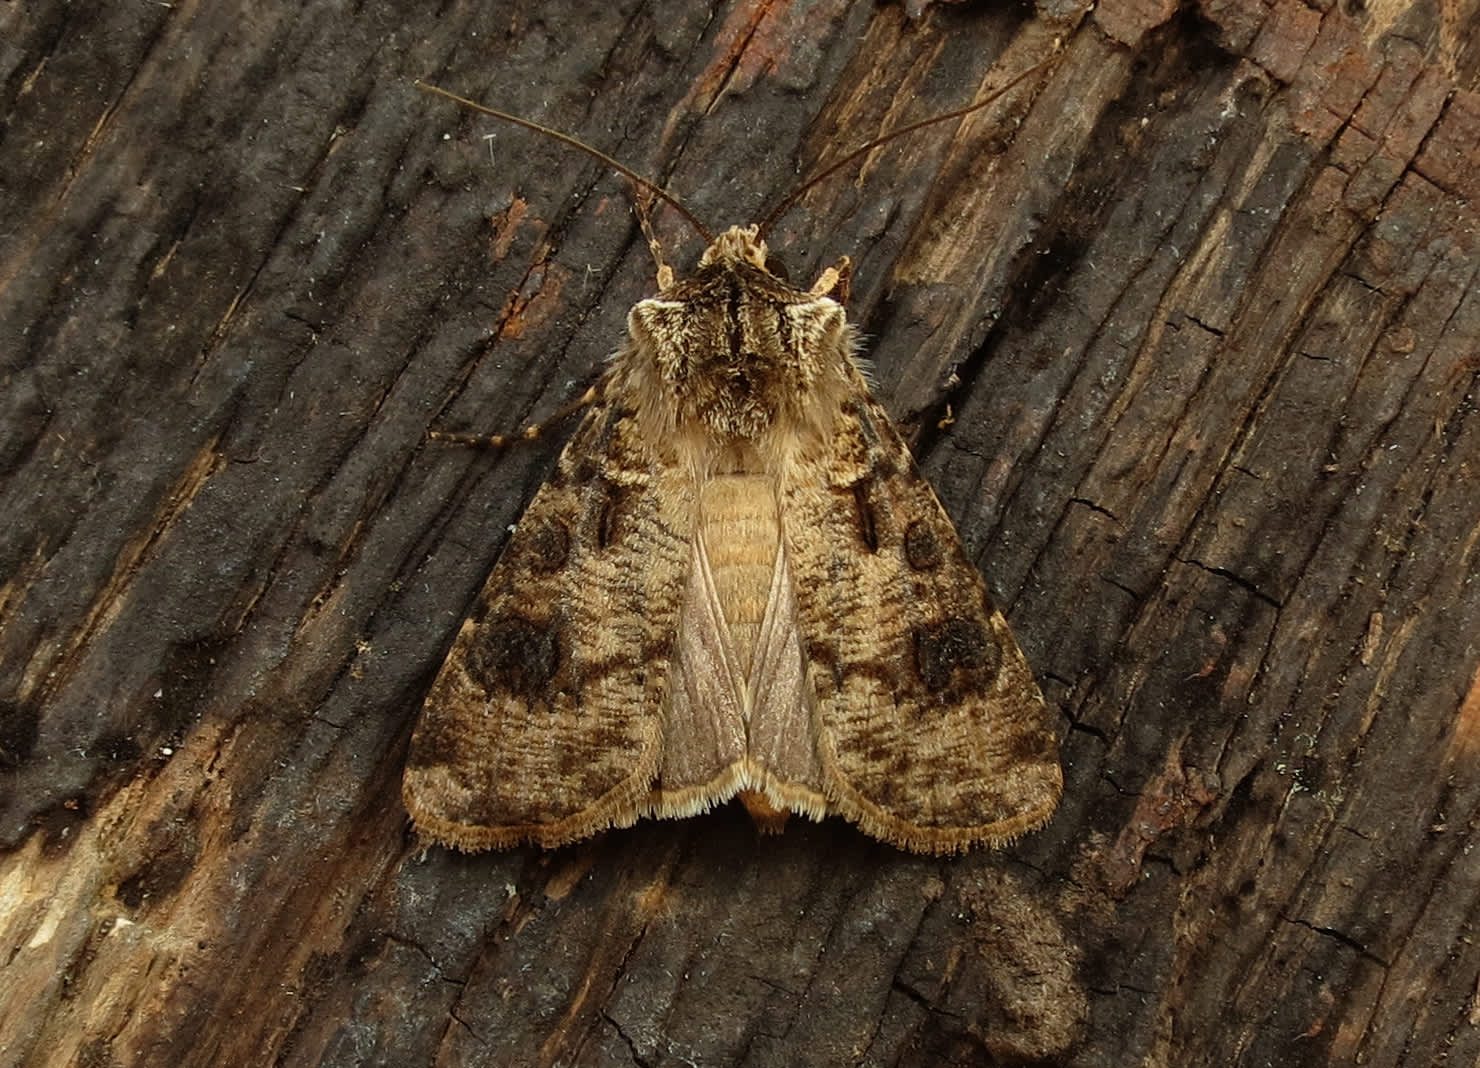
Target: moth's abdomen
<point>741,530</point>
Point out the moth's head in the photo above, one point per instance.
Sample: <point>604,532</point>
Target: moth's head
<point>742,248</point>
<point>738,244</point>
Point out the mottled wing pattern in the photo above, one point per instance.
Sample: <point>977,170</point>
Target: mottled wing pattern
<point>931,732</point>
<point>544,724</point>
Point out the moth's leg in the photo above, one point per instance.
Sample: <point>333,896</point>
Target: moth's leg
<point>529,433</point>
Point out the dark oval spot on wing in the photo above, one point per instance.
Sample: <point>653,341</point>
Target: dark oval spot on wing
<point>922,548</point>
<point>544,544</point>
<point>945,652</point>
<point>514,656</point>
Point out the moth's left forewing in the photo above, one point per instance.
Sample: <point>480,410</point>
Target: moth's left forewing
<point>543,724</point>
<point>931,731</point>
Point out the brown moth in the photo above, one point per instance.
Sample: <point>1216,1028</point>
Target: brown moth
<point>735,583</point>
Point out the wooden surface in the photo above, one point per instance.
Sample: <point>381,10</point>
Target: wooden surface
<point>1186,331</point>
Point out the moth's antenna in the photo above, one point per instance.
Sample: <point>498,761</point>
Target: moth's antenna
<point>797,193</point>
<point>621,168</point>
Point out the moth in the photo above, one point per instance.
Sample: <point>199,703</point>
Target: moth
<point>735,584</point>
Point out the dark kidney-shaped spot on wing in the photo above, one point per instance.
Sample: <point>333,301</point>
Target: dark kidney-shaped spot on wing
<point>515,656</point>
<point>955,652</point>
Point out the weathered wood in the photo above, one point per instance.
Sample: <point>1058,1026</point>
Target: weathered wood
<point>1187,331</point>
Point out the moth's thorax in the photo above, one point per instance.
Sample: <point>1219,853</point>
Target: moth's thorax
<point>734,354</point>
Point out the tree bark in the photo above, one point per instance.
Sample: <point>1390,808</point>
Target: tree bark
<point>1183,328</point>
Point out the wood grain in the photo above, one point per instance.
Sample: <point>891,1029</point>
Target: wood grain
<point>1187,342</point>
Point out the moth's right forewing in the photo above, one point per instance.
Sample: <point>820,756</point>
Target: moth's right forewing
<point>544,724</point>
<point>932,732</point>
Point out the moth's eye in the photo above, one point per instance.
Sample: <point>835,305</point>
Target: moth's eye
<point>776,267</point>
